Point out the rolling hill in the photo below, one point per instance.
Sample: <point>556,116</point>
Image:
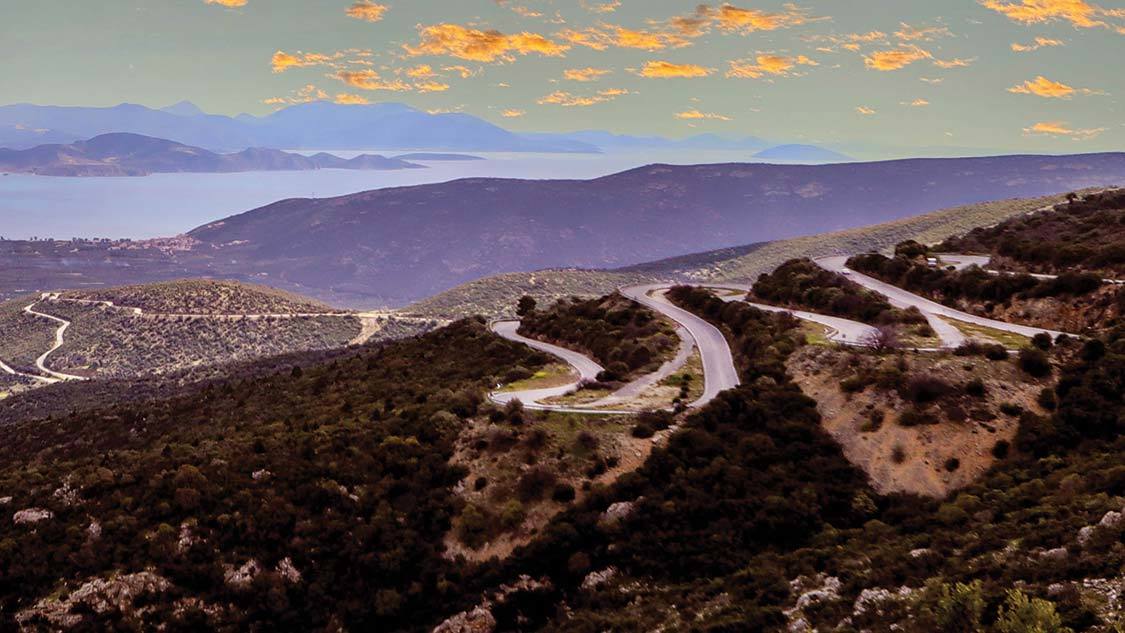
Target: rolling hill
<point>392,246</point>
<point>123,154</point>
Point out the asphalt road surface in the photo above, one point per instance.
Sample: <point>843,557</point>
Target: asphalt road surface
<point>903,299</point>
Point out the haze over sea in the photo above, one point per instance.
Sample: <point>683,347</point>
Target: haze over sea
<point>162,205</point>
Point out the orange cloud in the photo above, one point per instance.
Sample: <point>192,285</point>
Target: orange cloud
<point>734,19</point>
<point>604,36</point>
<point>697,115</point>
<point>1040,42</point>
<point>764,65</point>
<point>1059,128</point>
<point>464,71</point>
<point>227,3</point>
<point>956,62</point>
<point>344,98</point>
<point>917,103</point>
<point>1079,13</point>
<point>663,69</point>
<point>864,110</point>
<point>421,71</point>
<point>431,86</point>
<point>585,74</point>
<point>306,94</point>
<point>1043,87</point>
<point>512,113</point>
<point>895,59</point>
<point>367,11</point>
<point>370,80</point>
<point>481,46</point>
<point>282,61</point>
<point>569,100</point>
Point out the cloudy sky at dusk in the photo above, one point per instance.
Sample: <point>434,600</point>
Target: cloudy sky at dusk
<point>1036,75</point>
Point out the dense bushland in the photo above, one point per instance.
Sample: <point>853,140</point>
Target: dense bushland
<point>341,468</point>
<point>1087,233</point>
<point>623,336</point>
<point>801,284</point>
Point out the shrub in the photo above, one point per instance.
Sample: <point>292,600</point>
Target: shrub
<point>563,493</point>
<point>995,352</point>
<point>952,464</point>
<point>975,388</point>
<point>1011,408</point>
<point>925,389</point>
<point>898,454</point>
<point>914,417</point>
<point>1021,614</point>
<point>960,607</point>
<point>1047,399</point>
<point>512,515</point>
<point>643,431</point>
<point>1035,362</point>
<point>1001,449</point>
<point>1042,340</point>
<point>480,483</point>
<point>533,485</point>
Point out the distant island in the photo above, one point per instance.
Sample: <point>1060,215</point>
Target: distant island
<point>123,154</point>
<point>802,154</point>
<point>438,157</point>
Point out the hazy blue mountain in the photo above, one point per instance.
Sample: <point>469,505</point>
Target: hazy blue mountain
<point>802,154</point>
<point>123,154</point>
<point>318,125</point>
<point>608,141</point>
<point>22,137</point>
<point>438,157</point>
<point>183,108</point>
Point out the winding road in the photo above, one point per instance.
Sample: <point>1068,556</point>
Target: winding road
<point>41,362</point>
<point>932,310</point>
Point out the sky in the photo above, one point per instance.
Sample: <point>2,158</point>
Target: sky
<point>1019,75</point>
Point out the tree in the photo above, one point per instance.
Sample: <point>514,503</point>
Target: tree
<point>525,306</point>
<point>959,608</point>
<point>883,339</point>
<point>1021,614</point>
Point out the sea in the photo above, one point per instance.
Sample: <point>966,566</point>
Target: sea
<point>165,205</point>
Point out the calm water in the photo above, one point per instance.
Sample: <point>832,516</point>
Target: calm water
<point>170,204</point>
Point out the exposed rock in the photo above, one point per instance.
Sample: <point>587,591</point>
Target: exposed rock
<point>94,530</point>
<point>477,620</point>
<point>617,512</point>
<point>810,591</point>
<point>800,625</point>
<point>98,595</point>
<point>1057,554</point>
<point>595,579</point>
<point>242,577</point>
<point>287,571</point>
<point>873,599</point>
<point>261,475</point>
<point>187,536</point>
<point>32,515</point>
<point>66,494</point>
<point>1085,534</point>
<point>5,501</point>
<point>920,552</point>
<point>1111,520</point>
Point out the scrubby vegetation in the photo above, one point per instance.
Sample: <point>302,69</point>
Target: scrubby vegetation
<point>1078,300</point>
<point>23,337</point>
<point>1087,233</point>
<point>623,336</point>
<point>801,284</point>
<point>306,499</point>
<point>201,296</point>
<point>112,344</point>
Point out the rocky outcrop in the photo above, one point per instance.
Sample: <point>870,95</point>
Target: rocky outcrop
<point>99,595</point>
<point>31,516</point>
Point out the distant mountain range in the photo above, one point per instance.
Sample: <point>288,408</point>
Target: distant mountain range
<point>123,154</point>
<point>802,154</point>
<point>325,125</point>
<point>318,125</point>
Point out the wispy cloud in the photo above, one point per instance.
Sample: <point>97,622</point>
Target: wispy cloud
<point>367,11</point>
<point>1061,128</point>
<point>1078,13</point>
<point>866,111</point>
<point>1043,87</point>
<point>370,80</point>
<point>569,100</point>
<point>462,42</point>
<point>766,65</point>
<point>585,74</point>
<point>896,58</point>
<point>664,69</point>
<point>512,113</point>
<point>227,3</point>
<point>345,98</point>
<point>1040,42</point>
<point>917,103</point>
<point>696,115</point>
